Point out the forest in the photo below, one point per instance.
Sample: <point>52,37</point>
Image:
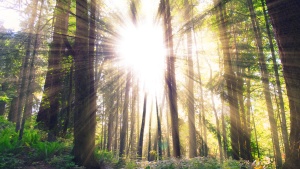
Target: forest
<point>155,84</point>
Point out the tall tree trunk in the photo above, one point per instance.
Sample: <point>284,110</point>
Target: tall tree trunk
<point>265,81</point>
<point>248,118</point>
<point>141,138</point>
<point>241,122</point>
<point>149,135</point>
<point>123,132</point>
<point>170,77</point>
<point>158,132</point>
<point>224,133</point>
<point>69,99</point>
<point>111,117</point>
<point>203,149</point>
<point>230,84</point>
<point>24,81</point>
<point>285,18</point>
<point>132,138</point>
<point>31,79</point>
<point>91,65</point>
<point>12,116</point>
<point>190,85</point>
<point>50,105</point>
<point>119,96</point>
<point>217,119</point>
<point>84,117</point>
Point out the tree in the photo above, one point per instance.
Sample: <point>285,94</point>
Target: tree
<point>141,137</point>
<point>285,19</point>
<point>84,116</point>
<point>50,105</point>
<point>25,67</point>
<point>123,132</point>
<point>190,84</point>
<point>230,79</point>
<point>170,76</point>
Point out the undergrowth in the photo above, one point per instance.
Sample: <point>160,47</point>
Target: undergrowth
<point>31,149</point>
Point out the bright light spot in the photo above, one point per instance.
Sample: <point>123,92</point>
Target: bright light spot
<point>142,50</point>
<point>10,19</point>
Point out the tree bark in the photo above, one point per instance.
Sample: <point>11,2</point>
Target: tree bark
<point>285,18</point>
<point>159,135</point>
<point>12,116</point>
<point>248,118</point>
<point>123,132</point>
<point>190,85</point>
<point>170,77</point>
<point>141,138</point>
<point>84,117</point>
<point>50,105</point>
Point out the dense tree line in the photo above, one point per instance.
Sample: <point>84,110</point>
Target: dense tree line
<point>229,86</point>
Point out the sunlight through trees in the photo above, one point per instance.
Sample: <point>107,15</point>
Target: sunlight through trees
<point>150,83</point>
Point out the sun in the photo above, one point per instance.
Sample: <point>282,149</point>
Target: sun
<point>141,49</point>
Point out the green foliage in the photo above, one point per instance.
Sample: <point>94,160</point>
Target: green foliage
<point>44,150</point>
<point>31,137</point>
<point>106,157</point>
<point>62,161</point>
<point>15,153</point>
<point>234,164</point>
<point>198,163</point>
<point>8,137</point>
<point>10,161</point>
<point>130,165</point>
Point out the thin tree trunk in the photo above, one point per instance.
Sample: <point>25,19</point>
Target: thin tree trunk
<point>111,117</point>
<point>149,135</point>
<point>141,138</point>
<point>123,132</point>
<point>24,82</point>
<point>13,109</point>
<point>224,133</point>
<point>248,118</point>
<point>119,95</point>
<point>30,88</point>
<point>190,85</point>
<point>69,100</point>
<point>158,132</point>
<point>170,78</point>
<point>257,145</point>
<point>217,119</point>
<point>132,140</point>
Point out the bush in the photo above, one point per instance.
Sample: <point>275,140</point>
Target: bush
<point>10,161</point>
<point>44,150</point>
<point>106,157</point>
<point>131,165</point>
<point>62,162</point>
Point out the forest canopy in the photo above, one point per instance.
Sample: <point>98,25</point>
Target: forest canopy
<point>150,84</point>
